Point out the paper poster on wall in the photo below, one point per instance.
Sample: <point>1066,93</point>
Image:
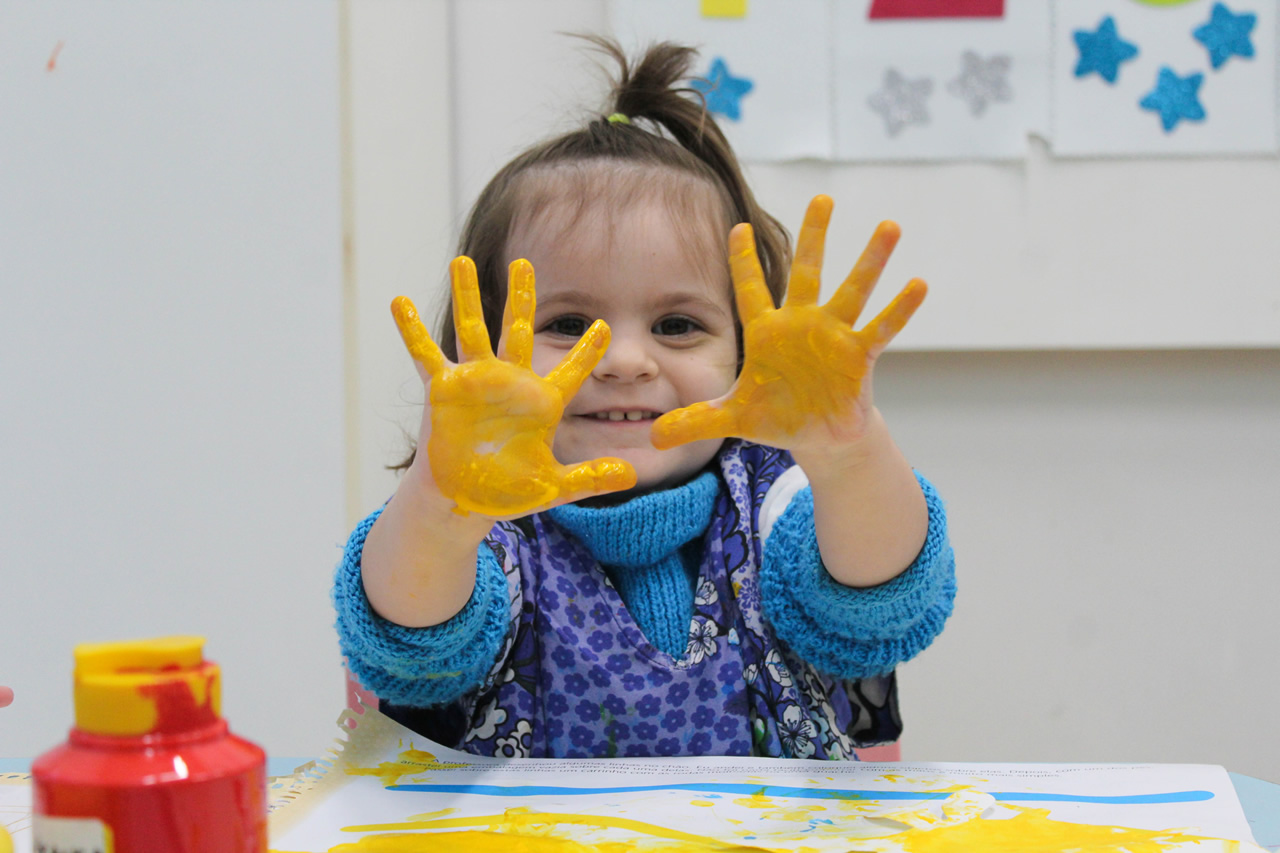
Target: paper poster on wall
<point>920,86</point>
<point>766,72</point>
<point>1140,79</point>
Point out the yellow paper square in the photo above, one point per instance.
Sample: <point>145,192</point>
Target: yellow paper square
<point>724,8</point>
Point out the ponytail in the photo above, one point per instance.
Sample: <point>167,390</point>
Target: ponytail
<point>649,90</point>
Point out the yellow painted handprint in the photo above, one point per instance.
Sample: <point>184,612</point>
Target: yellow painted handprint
<point>492,418</point>
<point>805,379</point>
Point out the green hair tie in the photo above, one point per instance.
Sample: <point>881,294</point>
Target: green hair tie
<point>618,118</point>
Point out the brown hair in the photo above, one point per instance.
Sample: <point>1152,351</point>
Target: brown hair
<point>663,129</point>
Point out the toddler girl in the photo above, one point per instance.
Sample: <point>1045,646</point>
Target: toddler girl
<point>662,520</point>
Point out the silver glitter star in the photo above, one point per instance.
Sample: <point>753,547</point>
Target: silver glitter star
<point>982,81</point>
<point>901,101</point>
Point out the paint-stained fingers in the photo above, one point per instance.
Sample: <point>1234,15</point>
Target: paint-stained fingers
<point>517,317</point>
<point>597,477</point>
<point>692,423</point>
<point>468,314</point>
<point>575,367</point>
<point>415,336</point>
<point>848,301</point>
<point>894,317</point>
<point>806,268</point>
<point>749,287</point>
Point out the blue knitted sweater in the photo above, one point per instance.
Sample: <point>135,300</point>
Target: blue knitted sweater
<point>846,632</point>
<point>640,545</point>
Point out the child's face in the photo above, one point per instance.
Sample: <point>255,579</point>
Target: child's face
<point>673,341</point>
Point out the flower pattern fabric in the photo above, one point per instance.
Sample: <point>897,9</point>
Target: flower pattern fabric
<point>576,677</point>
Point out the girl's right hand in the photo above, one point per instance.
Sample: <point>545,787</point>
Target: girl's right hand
<point>491,418</point>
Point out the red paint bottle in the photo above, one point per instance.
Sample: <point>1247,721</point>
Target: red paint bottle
<point>150,766</point>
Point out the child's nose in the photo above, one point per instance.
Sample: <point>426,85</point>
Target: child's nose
<point>627,359</point>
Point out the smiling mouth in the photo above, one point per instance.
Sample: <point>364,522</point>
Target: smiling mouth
<point>615,416</point>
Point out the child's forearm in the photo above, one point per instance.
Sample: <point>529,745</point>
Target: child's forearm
<point>869,512</point>
<point>419,561</point>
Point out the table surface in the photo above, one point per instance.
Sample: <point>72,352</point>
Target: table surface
<point>1261,803</point>
<point>1259,799</point>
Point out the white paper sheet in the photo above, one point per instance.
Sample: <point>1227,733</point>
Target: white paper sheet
<point>780,46</point>
<point>941,89</point>
<point>389,781</point>
<point>1095,116</point>
<point>15,809</point>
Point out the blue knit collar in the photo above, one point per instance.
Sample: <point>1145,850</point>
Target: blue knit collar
<point>643,530</point>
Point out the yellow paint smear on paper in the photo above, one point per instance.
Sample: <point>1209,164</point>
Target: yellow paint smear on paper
<point>758,800</point>
<point>799,815</point>
<point>520,830</point>
<point>1032,831</point>
<point>433,815</point>
<point>724,8</point>
<point>411,762</point>
<point>467,842</point>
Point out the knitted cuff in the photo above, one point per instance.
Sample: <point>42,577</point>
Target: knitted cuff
<point>419,666</point>
<point>848,631</point>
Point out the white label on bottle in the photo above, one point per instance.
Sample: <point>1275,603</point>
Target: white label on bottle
<point>70,835</point>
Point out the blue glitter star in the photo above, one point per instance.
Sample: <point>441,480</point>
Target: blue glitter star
<point>1175,98</point>
<point>1226,35</point>
<point>1103,50</point>
<point>723,91</point>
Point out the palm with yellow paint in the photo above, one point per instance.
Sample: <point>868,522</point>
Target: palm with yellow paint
<point>492,419</point>
<point>805,382</point>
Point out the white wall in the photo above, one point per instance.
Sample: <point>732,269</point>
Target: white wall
<point>1112,515</point>
<point>171,351</point>
<point>401,221</point>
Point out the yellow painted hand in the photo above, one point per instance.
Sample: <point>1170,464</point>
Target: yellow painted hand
<point>805,380</point>
<point>492,418</point>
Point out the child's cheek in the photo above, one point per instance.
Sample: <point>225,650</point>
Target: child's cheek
<point>545,356</point>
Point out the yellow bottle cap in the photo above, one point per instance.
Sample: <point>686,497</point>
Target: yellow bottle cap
<point>138,687</point>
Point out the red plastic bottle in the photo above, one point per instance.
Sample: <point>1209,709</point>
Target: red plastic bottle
<point>150,766</point>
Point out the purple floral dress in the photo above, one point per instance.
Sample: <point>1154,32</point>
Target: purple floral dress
<point>575,676</point>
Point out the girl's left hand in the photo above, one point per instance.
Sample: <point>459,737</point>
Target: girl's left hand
<point>805,383</point>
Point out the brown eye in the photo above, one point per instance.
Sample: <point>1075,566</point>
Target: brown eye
<point>571,327</point>
<point>675,326</point>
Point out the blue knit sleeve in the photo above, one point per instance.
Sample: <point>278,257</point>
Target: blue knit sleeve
<point>845,631</point>
<point>420,666</point>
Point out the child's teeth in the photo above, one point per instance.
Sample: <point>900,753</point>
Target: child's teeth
<point>625,415</point>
